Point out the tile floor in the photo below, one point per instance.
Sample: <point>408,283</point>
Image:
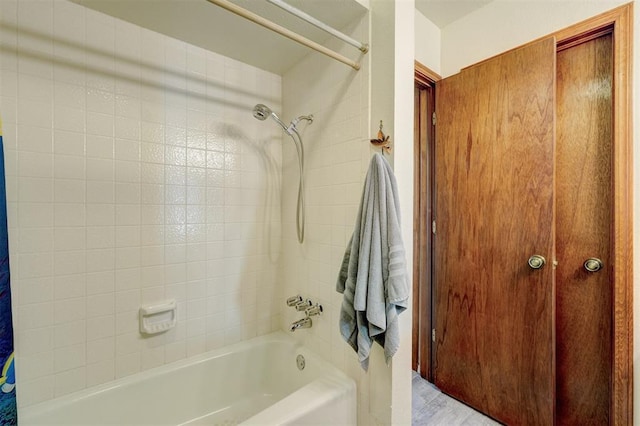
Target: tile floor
<point>430,407</point>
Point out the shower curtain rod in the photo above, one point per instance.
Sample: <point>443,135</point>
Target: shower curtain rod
<point>364,48</point>
<point>225,4</point>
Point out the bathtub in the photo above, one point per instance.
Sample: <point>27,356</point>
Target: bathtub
<point>257,382</point>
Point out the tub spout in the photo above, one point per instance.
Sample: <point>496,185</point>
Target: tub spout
<point>303,323</point>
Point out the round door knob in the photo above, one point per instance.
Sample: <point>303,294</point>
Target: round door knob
<point>536,261</point>
<point>593,264</point>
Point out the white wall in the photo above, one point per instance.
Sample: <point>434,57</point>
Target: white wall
<point>502,25</point>
<point>505,24</point>
<point>135,173</point>
<point>348,107</point>
<point>403,167</point>
<point>337,155</point>
<point>427,42</point>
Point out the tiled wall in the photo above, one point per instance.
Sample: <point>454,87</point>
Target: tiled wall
<point>337,157</point>
<point>135,174</point>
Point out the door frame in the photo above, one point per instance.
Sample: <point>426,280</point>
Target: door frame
<point>424,154</point>
<point>618,21</point>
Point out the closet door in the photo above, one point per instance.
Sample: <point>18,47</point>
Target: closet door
<point>494,312</point>
<point>584,218</point>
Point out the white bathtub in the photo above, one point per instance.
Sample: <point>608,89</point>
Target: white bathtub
<point>256,382</point>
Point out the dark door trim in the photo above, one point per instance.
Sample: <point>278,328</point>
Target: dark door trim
<point>424,137</point>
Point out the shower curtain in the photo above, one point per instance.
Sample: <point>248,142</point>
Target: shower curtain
<point>8,411</point>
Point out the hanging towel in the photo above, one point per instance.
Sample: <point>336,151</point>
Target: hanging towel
<point>373,275</point>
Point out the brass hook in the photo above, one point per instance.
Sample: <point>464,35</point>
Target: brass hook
<point>382,141</point>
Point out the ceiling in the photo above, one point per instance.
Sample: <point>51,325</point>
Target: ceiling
<point>444,12</point>
<point>204,24</point>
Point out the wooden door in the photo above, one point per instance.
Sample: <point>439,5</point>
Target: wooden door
<point>584,218</point>
<point>494,209</point>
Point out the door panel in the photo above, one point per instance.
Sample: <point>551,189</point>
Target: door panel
<point>495,208</point>
<point>584,303</point>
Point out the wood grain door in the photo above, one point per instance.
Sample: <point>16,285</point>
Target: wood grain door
<point>584,218</point>
<point>494,314</point>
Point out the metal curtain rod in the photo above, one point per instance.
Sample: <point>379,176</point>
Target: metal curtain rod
<point>319,24</point>
<point>225,4</point>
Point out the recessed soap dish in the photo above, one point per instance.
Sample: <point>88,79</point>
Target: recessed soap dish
<point>157,318</point>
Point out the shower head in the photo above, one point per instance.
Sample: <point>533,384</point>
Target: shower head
<point>261,112</point>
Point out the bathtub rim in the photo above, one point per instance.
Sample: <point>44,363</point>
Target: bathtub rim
<point>37,409</point>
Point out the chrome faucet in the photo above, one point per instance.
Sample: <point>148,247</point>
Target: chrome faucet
<point>302,323</point>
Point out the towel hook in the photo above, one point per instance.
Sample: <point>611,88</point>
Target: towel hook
<point>382,141</point>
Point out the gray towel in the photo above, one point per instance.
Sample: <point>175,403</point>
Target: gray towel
<point>373,275</point>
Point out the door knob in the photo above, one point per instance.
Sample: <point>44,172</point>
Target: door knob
<point>593,264</point>
<point>536,261</point>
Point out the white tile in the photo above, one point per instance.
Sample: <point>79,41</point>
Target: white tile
<point>69,191</point>
<point>100,372</point>
<point>34,391</point>
<point>33,341</point>
<point>70,357</point>
<point>100,101</point>
<point>128,300</point>
<point>127,344</point>
<point>36,290</point>
<point>127,214</point>
<point>127,171</point>
<point>99,350</point>
<point>101,305</point>
<point>175,351</point>
<point>69,310</point>
<point>101,282</point>
<point>69,214</point>
<point>100,146</point>
<point>100,192</point>
<point>69,286</point>
<point>128,236</point>
<point>35,366</point>
<point>70,333</point>
<point>127,279</point>
<point>70,381</point>
<point>100,237</point>
<point>69,238</point>
<point>69,262</point>
<point>71,143</point>
<point>69,119</point>
<point>100,260</point>
<point>100,214</point>
<point>35,164</point>
<point>35,315</point>
<point>69,95</point>
<point>35,240</point>
<point>152,357</point>
<point>69,167</point>
<point>127,128</point>
<point>99,124</point>
<point>128,257</point>
<point>36,265</point>
<point>128,150</point>
<point>35,113</point>
<point>35,190</point>
<point>127,193</point>
<point>127,364</point>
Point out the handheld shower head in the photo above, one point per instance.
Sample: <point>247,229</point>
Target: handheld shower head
<point>261,112</point>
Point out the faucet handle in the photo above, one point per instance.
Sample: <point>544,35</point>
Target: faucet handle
<point>294,300</point>
<point>303,305</point>
<point>313,310</point>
